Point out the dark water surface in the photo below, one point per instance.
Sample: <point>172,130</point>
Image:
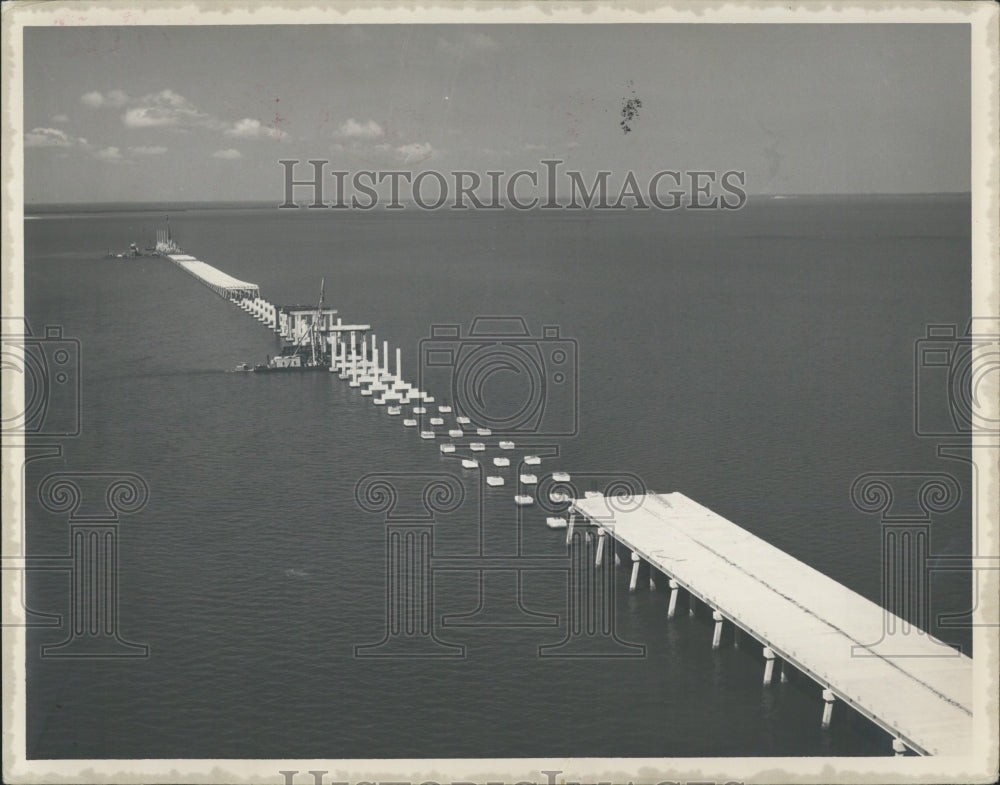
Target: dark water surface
<point>756,361</point>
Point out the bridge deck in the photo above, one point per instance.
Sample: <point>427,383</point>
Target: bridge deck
<point>211,276</point>
<point>912,685</point>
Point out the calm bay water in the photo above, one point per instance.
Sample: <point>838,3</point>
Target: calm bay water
<point>756,361</point>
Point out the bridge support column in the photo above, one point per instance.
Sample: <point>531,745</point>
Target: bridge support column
<point>784,672</point>
<point>828,700</point>
<point>898,747</point>
<point>672,607</point>
<point>569,528</point>
<point>717,637</point>
<point>635,572</point>
<point>768,665</point>
<point>601,537</point>
<point>652,577</point>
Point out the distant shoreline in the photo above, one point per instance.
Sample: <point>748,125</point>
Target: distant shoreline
<point>98,208</point>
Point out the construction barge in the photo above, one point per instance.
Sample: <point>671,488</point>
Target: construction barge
<point>311,335</point>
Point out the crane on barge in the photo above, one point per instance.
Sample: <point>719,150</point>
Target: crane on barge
<point>293,357</point>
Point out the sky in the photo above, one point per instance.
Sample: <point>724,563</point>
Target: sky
<point>181,113</point>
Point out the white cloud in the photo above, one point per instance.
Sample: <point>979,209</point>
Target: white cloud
<point>166,108</point>
<point>368,130</point>
<point>147,117</point>
<point>48,137</point>
<point>169,109</point>
<point>168,96</point>
<point>147,150</point>
<point>248,128</point>
<point>54,137</point>
<point>415,151</point>
<point>245,128</point>
<point>60,118</point>
<point>110,154</point>
<point>227,155</point>
<point>112,98</point>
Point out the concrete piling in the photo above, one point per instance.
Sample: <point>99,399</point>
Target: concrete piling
<point>828,699</point>
<point>768,664</point>
<point>635,572</point>
<point>672,607</point>
<point>717,635</point>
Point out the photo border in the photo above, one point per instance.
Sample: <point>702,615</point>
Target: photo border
<point>980,765</point>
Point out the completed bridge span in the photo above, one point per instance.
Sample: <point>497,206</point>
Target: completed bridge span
<point>907,682</point>
<point>219,282</point>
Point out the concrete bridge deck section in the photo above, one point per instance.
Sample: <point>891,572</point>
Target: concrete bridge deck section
<point>221,283</point>
<point>915,687</point>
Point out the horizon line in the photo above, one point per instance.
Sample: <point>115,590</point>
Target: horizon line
<point>268,202</point>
